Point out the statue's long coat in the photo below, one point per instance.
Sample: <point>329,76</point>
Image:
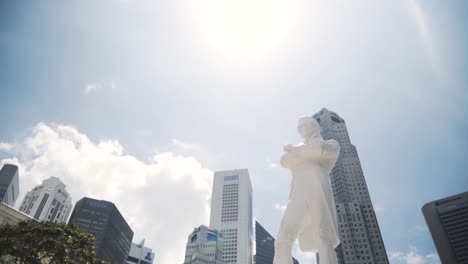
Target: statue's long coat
<point>310,165</point>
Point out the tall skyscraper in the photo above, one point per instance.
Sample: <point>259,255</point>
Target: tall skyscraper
<point>361,241</point>
<point>447,220</point>
<point>231,214</point>
<point>204,246</point>
<point>9,184</point>
<point>265,246</point>
<point>103,220</point>
<point>48,202</point>
<point>139,254</point>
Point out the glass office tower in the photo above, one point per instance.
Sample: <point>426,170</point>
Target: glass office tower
<point>265,246</point>
<point>103,220</point>
<point>9,184</point>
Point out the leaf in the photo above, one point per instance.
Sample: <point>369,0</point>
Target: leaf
<point>33,242</point>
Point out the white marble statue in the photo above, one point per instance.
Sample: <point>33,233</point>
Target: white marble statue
<point>310,215</point>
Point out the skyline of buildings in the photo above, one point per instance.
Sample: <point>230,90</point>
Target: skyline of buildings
<point>231,214</point>
<point>9,184</point>
<point>447,219</point>
<point>103,220</point>
<point>361,240</point>
<point>204,246</point>
<point>48,202</point>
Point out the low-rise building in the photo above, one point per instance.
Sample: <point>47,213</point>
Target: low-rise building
<point>204,246</point>
<point>139,254</point>
<point>9,215</point>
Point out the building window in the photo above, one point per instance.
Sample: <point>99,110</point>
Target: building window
<point>336,120</point>
<point>231,178</point>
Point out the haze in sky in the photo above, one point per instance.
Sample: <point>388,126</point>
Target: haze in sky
<point>138,102</point>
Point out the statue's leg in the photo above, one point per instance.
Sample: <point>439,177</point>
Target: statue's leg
<point>289,229</point>
<point>327,254</point>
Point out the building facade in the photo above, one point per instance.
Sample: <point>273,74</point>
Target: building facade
<point>204,246</point>
<point>361,240</point>
<point>48,202</point>
<point>447,220</point>
<point>139,254</point>
<point>103,220</point>
<point>231,214</point>
<point>11,216</point>
<point>264,246</point>
<point>9,184</point>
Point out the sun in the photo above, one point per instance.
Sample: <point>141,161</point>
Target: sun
<point>244,28</point>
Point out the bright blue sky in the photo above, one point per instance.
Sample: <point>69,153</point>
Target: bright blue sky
<point>164,76</point>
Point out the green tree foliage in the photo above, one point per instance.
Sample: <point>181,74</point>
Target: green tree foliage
<point>32,242</point>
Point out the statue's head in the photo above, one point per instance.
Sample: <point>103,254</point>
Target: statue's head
<point>308,127</point>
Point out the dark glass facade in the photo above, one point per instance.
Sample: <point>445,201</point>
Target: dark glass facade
<point>265,244</point>
<point>447,220</point>
<point>9,184</point>
<point>103,220</point>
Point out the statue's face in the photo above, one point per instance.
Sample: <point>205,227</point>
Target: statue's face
<point>308,127</point>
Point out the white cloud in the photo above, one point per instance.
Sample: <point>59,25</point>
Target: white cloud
<point>281,207</point>
<point>413,257</point>
<point>90,87</point>
<point>421,228</point>
<point>113,86</point>
<point>433,258</point>
<point>162,200</point>
<point>5,146</point>
<point>271,164</point>
<point>379,209</point>
<point>184,145</point>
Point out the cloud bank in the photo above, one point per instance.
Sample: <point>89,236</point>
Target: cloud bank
<point>162,199</point>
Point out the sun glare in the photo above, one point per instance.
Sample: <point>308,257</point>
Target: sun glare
<point>244,28</point>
